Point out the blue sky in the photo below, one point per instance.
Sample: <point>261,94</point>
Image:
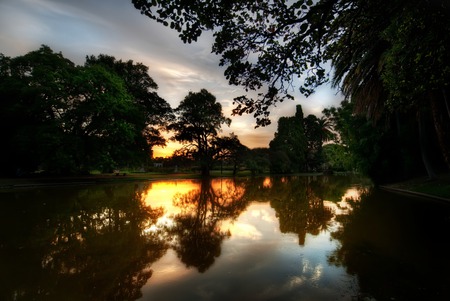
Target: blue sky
<point>84,27</point>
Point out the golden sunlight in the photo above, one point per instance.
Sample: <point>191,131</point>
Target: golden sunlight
<point>165,151</point>
<point>161,194</point>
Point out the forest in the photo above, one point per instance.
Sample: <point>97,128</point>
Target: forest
<point>391,62</point>
<point>62,119</point>
<point>388,58</point>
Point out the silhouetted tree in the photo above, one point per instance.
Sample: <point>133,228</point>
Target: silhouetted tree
<point>199,119</point>
<point>230,149</point>
<point>388,57</point>
<point>288,147</point>
<point>65,119</point>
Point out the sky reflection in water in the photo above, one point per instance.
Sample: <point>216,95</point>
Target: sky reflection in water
<point>257,261</point>
<point>280,238</point>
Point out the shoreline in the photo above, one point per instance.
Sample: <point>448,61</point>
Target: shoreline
<point>438,189</point>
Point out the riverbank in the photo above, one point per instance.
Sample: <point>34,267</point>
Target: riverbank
<point>36,181</point>
<point>438,189</point>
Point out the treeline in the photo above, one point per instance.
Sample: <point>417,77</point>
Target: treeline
<point>60,118</point>
<point>395,148</point>
<point>106,114</point>
<point>390,60</point>
<point>66,119</point>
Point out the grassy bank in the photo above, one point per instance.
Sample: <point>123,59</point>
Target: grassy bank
<point>439,187</point>
<point>96,178</point>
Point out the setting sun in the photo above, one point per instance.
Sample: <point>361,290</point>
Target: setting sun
<point>165,151</point>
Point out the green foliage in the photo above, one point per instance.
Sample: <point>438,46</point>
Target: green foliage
<point>385,153</point>
<point>64,119</point>
<point>389,57</point>
<point>257,160</point>
<point>338,157</point>
<point>418,60</point>
<point>156,111</point>
<point>297,145</point>
<point>288,147</point>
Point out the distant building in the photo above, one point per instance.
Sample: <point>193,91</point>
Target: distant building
<point>157,165</point>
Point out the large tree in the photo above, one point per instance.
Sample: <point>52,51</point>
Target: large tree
<point>230,150</point>
<point>33,93</point>
<point>105,122</point>
<point>138,83</point>
<point>289,146</point>
<point>270,43</point>
<point>387,56</point>
<point>64,118</point>
<point>199,119</point>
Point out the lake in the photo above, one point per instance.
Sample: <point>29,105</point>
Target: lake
<point>265,238</point>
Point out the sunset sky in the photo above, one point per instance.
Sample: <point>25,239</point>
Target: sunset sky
<point>83,27</point>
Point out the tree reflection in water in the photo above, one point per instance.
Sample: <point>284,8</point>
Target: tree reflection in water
<point>299,209</point>
<point>197,235</point>
<point>81,244</point>
<point>397,247</point>
<point>101,242</point>
<point>298,202</point>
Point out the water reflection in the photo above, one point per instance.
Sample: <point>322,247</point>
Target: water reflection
<point>398,247</point>
<point>300,208</point>
<point>279,238</point>
<point>77,244</point>
<point>196,232</point>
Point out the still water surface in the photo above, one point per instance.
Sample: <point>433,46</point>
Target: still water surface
<point>279,238</point>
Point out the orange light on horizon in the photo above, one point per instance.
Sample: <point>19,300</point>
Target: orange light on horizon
<point>161,194</point>
<point>165,151</point>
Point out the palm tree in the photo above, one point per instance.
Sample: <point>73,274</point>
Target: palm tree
<point>326,129</point>
<point>368,63</point>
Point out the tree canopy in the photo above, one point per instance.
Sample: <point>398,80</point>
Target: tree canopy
<point>63,118</point>
<point>288,147</point>
<point>138,83</point>
<point>199,119</point>
<point>273,43</point>
<point>387,57</point>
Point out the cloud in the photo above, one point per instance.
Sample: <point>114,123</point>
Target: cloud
<point>115,27</point>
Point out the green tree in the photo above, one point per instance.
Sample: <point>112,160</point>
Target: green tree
<point>337,157</point>
<point>33,93</point>
<point>313,141</point>
<point>64,118</point>
<point>289,145</point>
<point>198,122</point>
<point>388,56</point>
<point>138,83</point>
<point>258,160</point>
<point>105,121</point>
<point>397,63</point>
<point>385,153</point>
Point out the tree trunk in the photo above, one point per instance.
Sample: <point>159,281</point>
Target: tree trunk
<point>441,124</point>
<point>423,147</point>
<point>447,107</point>
<point>205,170</point>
